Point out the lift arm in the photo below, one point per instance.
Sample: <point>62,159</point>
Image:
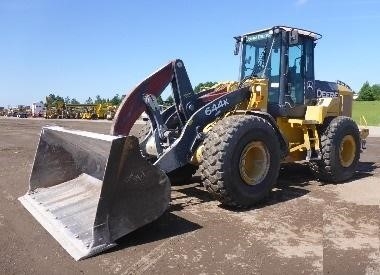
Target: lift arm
<point>133,104</point>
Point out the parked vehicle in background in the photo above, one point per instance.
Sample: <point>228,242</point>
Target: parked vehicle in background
<point>11,113</point>
<point>22,115</point>
<point>22,111</point>
<point>38,109</point>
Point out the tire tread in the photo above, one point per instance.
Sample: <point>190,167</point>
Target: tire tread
<point>215,154</point>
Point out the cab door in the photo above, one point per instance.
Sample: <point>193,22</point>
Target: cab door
<point>295,94</point>
<point>300,77</point>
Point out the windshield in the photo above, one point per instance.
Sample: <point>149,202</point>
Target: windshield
<point>261,56</point>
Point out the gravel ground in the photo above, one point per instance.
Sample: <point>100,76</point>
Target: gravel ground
<point>306,227</point>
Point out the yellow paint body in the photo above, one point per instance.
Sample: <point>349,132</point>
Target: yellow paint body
<point>301,134</point>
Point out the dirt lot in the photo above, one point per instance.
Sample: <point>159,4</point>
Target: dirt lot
<point>306,226</point>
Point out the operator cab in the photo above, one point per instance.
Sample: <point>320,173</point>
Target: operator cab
<point>284,56</point>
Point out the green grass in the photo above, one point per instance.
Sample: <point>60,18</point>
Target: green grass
<point>369,109</point>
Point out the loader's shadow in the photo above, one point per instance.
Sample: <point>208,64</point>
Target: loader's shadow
<point>294,180</point>
<point>293,183</point>
<point>168,225</point>
<point>365,169</point>
<point>189,195</point>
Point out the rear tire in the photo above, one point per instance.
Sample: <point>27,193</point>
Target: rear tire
<point>340,149</point>
<point>241,160</point>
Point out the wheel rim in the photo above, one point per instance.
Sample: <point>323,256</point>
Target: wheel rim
<point>254,162</point>
<point>347,151</point>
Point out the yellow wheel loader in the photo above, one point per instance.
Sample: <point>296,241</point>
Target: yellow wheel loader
<point>101,110</point>
<point>111,111</point>
<point>89,189</point>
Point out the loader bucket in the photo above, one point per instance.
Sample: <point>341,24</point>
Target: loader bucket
<point>87,190</point>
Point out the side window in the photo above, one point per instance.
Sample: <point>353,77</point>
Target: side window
<point>295,78</point>
<point>309,62</point>
<point>274,75</point>
<point>249,60</point>
<point>274,71</point>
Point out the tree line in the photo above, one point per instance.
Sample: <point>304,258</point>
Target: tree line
<point>369,92</point>
<point>55,100</point>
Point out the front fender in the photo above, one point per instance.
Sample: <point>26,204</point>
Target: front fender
<point>283,143</point>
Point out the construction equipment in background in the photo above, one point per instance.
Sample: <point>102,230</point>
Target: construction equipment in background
<point>12,112</point>
<point>3,111</point>
<point>89,189</point>
<point>77,111</point>
<point>55,110</point>
<point>89,111</point>
<point>21,111</point>
<point>101,110</point>
<point>53,113</point>
<point>74,111</point>
<point>28,111</point>
<point>111,111</point>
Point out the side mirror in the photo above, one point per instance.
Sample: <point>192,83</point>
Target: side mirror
<point>293,37</point>
<point>237,47</point>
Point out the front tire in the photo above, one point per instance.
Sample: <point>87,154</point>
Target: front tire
<point>241,160</point>
<point>340,148</point>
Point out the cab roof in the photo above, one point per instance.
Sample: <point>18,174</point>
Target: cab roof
<point>304,32</point>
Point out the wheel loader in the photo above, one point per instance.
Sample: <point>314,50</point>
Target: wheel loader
<point>89,189</point>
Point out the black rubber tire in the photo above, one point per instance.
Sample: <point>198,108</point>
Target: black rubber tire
<point>329,168</point>
<point>223,147</point>
<point>182,175</point>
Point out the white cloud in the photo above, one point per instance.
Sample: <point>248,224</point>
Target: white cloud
<point>301,2</point>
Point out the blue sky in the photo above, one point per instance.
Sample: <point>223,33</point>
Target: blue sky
<point>84,48</point>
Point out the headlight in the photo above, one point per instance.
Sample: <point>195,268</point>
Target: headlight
<point>258,88</point>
